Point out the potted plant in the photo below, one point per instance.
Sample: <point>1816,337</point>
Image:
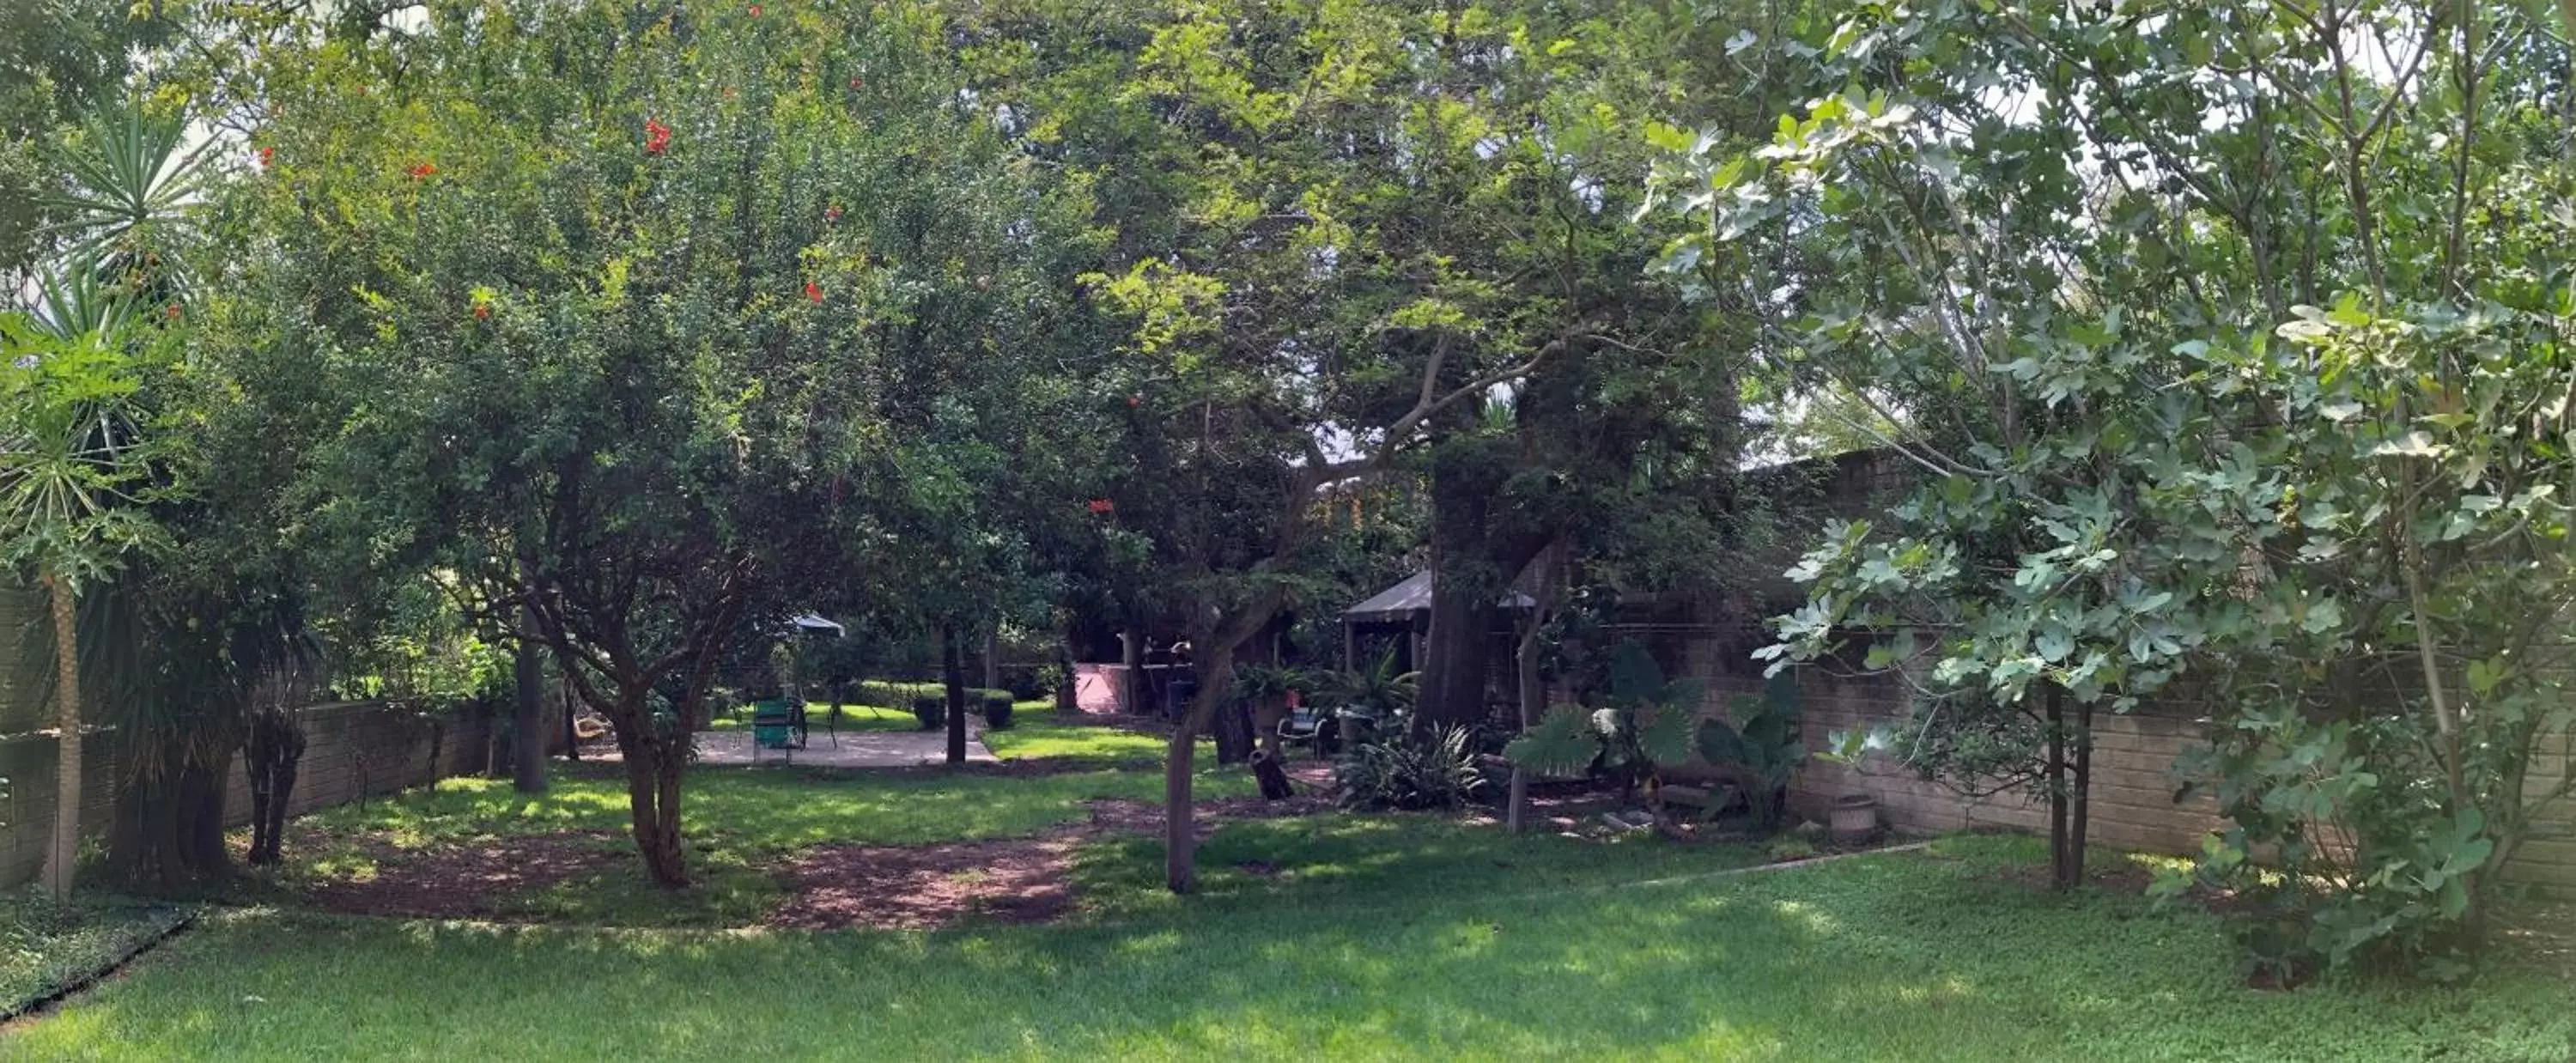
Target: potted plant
<point>997,709</point>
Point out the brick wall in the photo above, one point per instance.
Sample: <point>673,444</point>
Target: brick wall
<point>2132,805</point>
<point>2134,780</point>
<point>349,745</point>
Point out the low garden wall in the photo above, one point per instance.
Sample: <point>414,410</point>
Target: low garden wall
<point>352,748</point>
<point>2134,782</point>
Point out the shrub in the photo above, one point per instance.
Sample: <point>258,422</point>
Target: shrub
<point>1030,682</point>
<point>1409,773</point>
<point>997,709</point>
<point>931,710</point>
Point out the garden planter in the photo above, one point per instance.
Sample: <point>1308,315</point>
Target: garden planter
<point>1854,817</point>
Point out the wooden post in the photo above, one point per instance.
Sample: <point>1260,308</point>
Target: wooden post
<point>1131,650</point>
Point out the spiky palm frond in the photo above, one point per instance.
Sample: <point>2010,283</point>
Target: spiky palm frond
<point>134,188</point>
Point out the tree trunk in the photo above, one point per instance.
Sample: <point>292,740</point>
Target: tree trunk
<point>1452,685</point>
<point>1180,833</point>
<point>271,754</point>
<point>952,674</point>
<point>528,733</point>
<point>993,657</point>
<point>1475,563</point>
<point>1532,705</point>
<point>571,730</point>
<point>63,847</point>
<point>1530,695</point>
<point>1233,732</point>
<point>653,802</point>
<point>200,816</point>
<point>1067,698</point>
<point>169,825</point>
<point>2057,809</point>
<point>2079,804</point>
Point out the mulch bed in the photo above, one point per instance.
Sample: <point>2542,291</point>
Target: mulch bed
<point>466,880</point>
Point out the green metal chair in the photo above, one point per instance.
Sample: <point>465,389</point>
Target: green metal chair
<point>774,726</point>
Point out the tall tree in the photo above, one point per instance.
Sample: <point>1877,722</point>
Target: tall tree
<point>2258,381</point>
<point>624,291</point>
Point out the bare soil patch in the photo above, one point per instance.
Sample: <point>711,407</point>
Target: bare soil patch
<point>1119,815</point>
<point>464,880</point>
<point>1015,880</point>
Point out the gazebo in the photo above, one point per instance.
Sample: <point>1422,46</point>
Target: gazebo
<point>1406,606</point>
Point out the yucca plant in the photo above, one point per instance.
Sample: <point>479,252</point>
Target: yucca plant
<point>128,205</point>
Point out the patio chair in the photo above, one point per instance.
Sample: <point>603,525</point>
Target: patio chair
<point>774,726</point>
<point>1310,727</point>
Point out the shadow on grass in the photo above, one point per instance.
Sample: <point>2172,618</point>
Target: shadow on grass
<point>1373,938</point>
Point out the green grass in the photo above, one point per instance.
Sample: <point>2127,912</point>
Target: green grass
<point>736,823</point>
<point>1037,733</point>
<point>1378,938</point>
<point>45,947</point>
<point>853,718</point>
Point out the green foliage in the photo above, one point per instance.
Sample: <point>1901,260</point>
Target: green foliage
<point>931,710</point>
<point>1643,725</point>
<point>2182,409</point>
<point>997,708</point>
<point>47,947</point>
<point>76,445</point>
<point>1372,701</point>
<point>1433,771</point>
<point>1762,739</point>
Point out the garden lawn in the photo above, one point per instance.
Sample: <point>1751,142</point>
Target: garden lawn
<point>738,823</point>
<point>1036,733</point>
<point>853,718</point>
<point>1354,938</point>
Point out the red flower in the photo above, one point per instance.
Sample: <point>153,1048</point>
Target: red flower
<point>423,171</point>
<point>1102,505</point>
<point>482,311</point>
<point>813,292</point>
<point>267,156</point>
<point>832,213</point>
<point>656,137</point>
<point>858,83</point>
<point>1135,400</point>
<point>171,312</point>
<point>755,10</point>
